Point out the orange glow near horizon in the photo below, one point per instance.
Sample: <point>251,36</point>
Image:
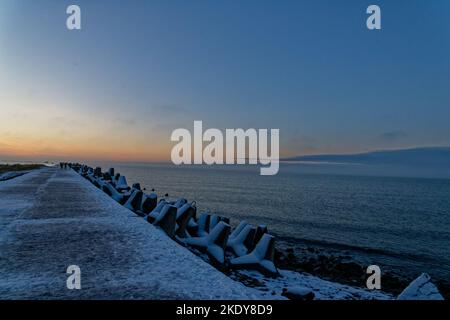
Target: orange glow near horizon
<point>49,135</point>
<point>87,150</point>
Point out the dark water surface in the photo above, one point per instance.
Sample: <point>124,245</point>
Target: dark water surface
<point>403,223</point>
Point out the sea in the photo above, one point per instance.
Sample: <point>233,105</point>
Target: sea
<point>401,223</point>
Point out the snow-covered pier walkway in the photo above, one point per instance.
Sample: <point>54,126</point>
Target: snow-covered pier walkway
<point>51,219</point>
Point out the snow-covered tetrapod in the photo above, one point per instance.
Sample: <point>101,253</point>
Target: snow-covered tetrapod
<point>180,202</point>
<point>134,202</point>
<point>203,225</point>
<point>214,243</point>
<point>421,289</point>
<point>92,179</point>
<point>215,219</point>
<point>115,179</point>
<point>238,229</point>
<point>241,243</point>
<point>260,231</point>
<point>166,220</point>
<point>97,172</point>
<point>111,172</point>
<point>184,214</point>
<point>121,184</point>
<point>136,185</point>
<point>149,202</point>
<point>112,192</point>
<point>152,216</point>
<point>261,258</point>
<point>192,225</point>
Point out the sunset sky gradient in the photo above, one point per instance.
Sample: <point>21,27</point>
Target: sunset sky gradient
<point>140,69</point>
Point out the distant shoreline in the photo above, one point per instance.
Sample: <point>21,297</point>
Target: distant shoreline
<point>19,167</point>
<point>11,171</point>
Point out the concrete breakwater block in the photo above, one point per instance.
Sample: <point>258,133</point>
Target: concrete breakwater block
<point>122,185</point>
<point>115,179</point>
<point>203,225</point>
<point>179,203</point>
<point>238,229</point>
<point>107,177</point>
<point>253,247</point>
<point>421,289</point>
<point>113,193</point>
<point>215,219</point>
<point>98,172</point>
<point>93,180</point>
<point>166,220</point>
<point>136,185</point>
<point>260,259</point>
<point>241,244</point>
<point>111,172</point>
<point>213,244</point>
<point>134,201</point>
<point>260,231</point>
<point>149,202</point>
<point>184,214</point>
<point>192,225</point>
<point>152,216</point>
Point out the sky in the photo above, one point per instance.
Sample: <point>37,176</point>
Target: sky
<point>137,70</point>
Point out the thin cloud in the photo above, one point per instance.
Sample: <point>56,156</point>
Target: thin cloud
<point>392,136</point>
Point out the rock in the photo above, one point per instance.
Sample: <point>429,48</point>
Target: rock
<point>298,293</point>
<point>351,268</point>
<point>421,289</point>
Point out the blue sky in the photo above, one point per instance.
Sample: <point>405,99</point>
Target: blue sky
<point>139,69</point>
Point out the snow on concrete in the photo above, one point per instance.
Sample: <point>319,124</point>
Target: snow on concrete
<point>52,219</point>
<point>11,175</point>
<point>421,289</point>
<point>323,289</point>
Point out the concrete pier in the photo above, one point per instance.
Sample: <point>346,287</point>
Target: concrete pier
<point>52,218</point>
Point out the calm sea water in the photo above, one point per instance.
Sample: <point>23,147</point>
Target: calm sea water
<point>399,222</point>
